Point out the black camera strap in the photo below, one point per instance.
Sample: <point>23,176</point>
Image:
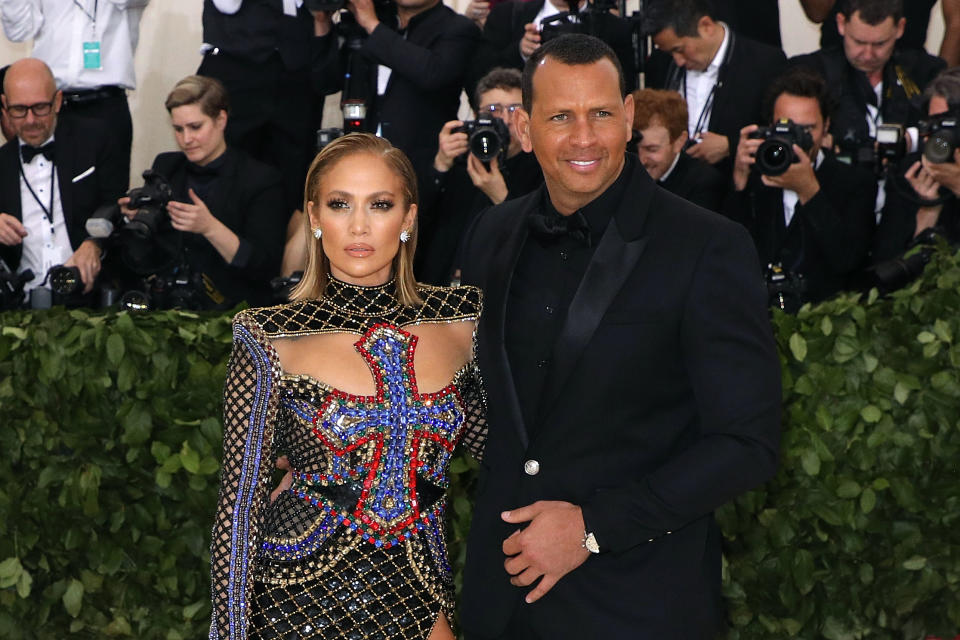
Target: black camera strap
<point>47,212</point>
<point>707,109</point>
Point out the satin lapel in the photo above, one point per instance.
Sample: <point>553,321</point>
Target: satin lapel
<point>612,263</point>
<point>510,243</point>
<point>10,180</point>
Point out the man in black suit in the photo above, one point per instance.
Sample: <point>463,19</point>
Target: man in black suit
<point>632,377</point>
<point>720,73</point>
<point>52,178</point>
<point>816,219</point>
<point>660,117</point>
<point>512,33</point>
<point>408,72</point>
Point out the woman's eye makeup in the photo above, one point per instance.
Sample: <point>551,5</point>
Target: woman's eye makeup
<point>337,203</point>
<point>383,204</point>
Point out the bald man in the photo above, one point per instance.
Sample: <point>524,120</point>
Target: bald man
<point>53,176</point>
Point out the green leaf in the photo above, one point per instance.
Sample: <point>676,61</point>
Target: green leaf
<point>798,346</point>
<point>811,462</point>
<point>925,337</point>
<point>803,571</point>
<point>189,458</point>
<point>915,563</point>
<point>16,332</point>
<point>871,414</point>
<point>115,349</point>
<point>826,325</point>
<point>73,597</point>
<point>24,585</point>
<point>901,393</point>
<point>848,489</point>
<point>942,330</point>
<point>868,500</point>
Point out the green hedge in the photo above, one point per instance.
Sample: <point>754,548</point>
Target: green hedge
<point>109,439</point>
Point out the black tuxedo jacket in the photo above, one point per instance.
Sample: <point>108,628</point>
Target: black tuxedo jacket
<point>749,68</point>
<point>662,403</point>
<point>828,239</point>
<point>697,182</point>
<point>429,66</point>
<point>503,31</point>
<point>248,198</point>
<point>90,174</point>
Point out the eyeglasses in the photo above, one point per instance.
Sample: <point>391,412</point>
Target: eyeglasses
<point>39,109</point>
<point>500,109</point>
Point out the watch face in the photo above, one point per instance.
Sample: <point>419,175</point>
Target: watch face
<point>590,543</point>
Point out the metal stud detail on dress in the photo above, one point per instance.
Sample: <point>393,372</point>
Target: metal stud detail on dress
<point>531,467</point>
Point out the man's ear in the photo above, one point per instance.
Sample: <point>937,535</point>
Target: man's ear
<point>901,25</point>
<point>841,23</point>
<point>629,113</point>
<point>522,123</point>
<point>57,101</point>
<point>680,142</point>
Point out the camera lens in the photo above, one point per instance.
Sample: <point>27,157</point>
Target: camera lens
<point>485,144</point>
<point>65,280</point>
<point>939,147</point>
<point>135,301</point>
<point>774,157</point>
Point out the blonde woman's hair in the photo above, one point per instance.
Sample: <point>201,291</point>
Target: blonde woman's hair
<point>206,92</point>
<point>316,273</point>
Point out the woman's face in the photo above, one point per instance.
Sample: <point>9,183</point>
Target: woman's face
<point>361,210</point>
<point>198,135</point>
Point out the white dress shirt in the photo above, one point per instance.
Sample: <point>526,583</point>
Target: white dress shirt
<point>673,165</point>
<point>46,244</point>
<point>59,29</point>
<point>790,198</point>
<point>547,10</point>
<point>698,86</point>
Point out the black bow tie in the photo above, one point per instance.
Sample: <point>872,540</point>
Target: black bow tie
<point>29,153</point>
<point>552,226</point>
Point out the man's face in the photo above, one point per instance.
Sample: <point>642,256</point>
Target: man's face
<point>938,105</point>
<point>804,112</point>
<point>869,47</point>
<point>578,127</point>
<point>657,151</point>
<point>34,130</point>
<point>692,53</point>
<point>503,104</point>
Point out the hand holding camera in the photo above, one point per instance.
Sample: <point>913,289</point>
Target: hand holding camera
<point>490,181</point>
<point>452,143</point>
<point>365,13</point>
<point>530,41</point>
<point>780,153</point>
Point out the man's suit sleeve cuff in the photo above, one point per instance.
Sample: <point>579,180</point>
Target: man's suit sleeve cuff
<point>603,516</point>
<point>242,257</point>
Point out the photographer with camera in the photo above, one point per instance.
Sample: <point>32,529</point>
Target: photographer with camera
<point>514,30</point>
<point>53,175</point>
<point>721,74</point>
<point>660,117</point>
<point>808,213</point>
<point>478,164</point>
<point>225,218</point>
<point>931,208</point>
<point>406,60</point>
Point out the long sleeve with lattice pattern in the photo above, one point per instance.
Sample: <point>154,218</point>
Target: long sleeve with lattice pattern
<point>475,404</point>
<point>250,411</point>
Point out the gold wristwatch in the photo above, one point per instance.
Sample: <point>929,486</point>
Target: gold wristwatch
<point>590,542</point>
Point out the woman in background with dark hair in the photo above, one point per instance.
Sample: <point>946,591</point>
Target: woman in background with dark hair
<point>228,205</point>
<point>366,382</point>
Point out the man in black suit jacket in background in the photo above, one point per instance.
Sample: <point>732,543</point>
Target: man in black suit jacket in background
<point>409,71</point>
<point>632,376</point>
<point>52,178</point>
<point>721,74</point>
<point>512,33</point>
<point>816,219</point>
<point>660,117</point>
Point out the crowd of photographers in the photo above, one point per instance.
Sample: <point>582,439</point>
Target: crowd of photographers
<point>838,161</point>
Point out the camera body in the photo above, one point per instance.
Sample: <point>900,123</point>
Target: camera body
<point>488,138</point>
<point>785,289</point>
<point>775,154</point>
<point>943,137</point>
<point>875,155</point>
<point>325,5</point>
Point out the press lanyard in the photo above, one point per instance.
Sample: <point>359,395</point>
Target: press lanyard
<point>92,17</point>
<point>707,105</point>
<point>53,174</point>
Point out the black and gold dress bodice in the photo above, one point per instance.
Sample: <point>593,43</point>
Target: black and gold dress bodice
<point>355,548</point>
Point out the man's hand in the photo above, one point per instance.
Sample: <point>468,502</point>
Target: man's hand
<point>798,177</point>
<point>746,157</point>
<point>712,147</point>
<point>125,209</point>
<point>927,188</point>
<point>87,260</point>
<point>450,146</point>
<point>550,546</point>
<point>478,10</point>
<point>286,482</point>
<point>365,14</point>
<point>322,22</point>
<point>490,181</point>
<point>530,40</point>
<point>195,217</point>
<point>12,231</point>
<point>947,174</point>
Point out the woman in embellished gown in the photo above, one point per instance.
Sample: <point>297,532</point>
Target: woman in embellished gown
<point>366,382</point>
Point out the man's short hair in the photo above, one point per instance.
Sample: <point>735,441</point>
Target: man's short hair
<point>947,86</point>
<point>498,78</point>
<point>3,75</point>
<point>208,93</point>
<point>801,82</point>
<point>572,49</point>
<point>873,12</point>
<point>680,15</point>
<point>657,106</point>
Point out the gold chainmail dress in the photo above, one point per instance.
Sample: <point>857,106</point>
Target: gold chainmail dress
<point>355,548</point>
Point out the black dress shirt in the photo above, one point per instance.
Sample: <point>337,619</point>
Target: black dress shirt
<point>546,277</point>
